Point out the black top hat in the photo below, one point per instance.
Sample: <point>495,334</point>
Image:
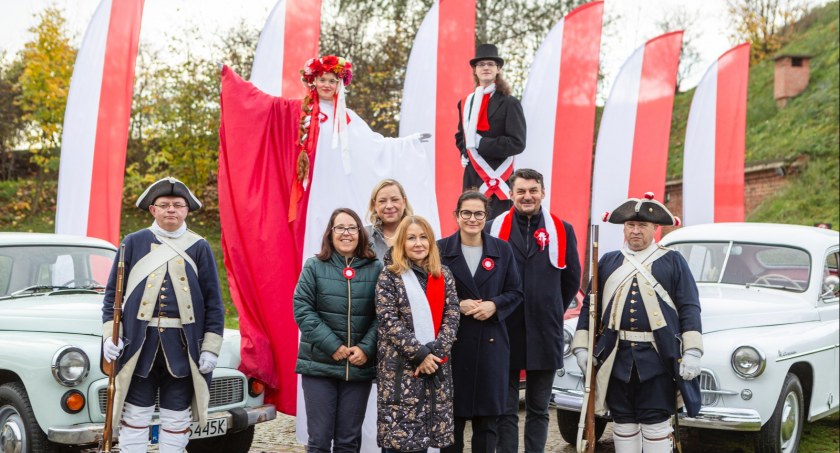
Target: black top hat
<point>487,52</point>
<point>642,210</point>
<point>168,187</point>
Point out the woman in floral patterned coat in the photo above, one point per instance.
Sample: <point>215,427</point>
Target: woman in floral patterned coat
<point>417,311</point>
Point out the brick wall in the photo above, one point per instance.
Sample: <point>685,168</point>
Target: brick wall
<point>760,182</point>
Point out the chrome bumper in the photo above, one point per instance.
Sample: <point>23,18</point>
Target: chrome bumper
<point>91,433</point>
<point>723,418</point>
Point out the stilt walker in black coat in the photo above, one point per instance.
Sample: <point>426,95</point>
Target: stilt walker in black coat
<point>491,130</point>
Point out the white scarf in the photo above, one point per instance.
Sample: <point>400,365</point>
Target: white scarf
<point>471,109</point>
<point>158,231</point>
<point>340,127</point>
<point>421,314</point>
<point>642,255</point>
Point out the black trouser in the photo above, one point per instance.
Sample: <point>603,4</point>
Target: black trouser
<point>175,393</point>
<point>483,435</point>
<point>537,393</point>
<point>335,410</point>
<point>648,402</point>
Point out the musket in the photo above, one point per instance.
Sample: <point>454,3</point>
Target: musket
<point>586,425</point>
<point>111,367</point>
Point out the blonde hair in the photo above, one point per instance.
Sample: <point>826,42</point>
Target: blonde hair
<point>372,217</point>
<point>401,262</point>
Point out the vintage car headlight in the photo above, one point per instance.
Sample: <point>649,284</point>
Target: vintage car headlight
<point>748,362</point>
<point>70,366</point>
<point>567,343</point>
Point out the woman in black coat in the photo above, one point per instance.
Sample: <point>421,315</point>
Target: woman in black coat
<point>489,289</point>
<point>491,130</point>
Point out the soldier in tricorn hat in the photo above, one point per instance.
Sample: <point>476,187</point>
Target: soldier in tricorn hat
<point>649,346</point>
<point>173,319</point>
<point>491,130</point>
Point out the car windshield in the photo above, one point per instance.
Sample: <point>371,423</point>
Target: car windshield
<point>33,269</point>
<point>747,264</point>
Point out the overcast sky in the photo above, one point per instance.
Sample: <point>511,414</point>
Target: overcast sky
<point>636,23</point>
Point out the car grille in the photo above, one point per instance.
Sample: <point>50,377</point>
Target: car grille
<point>223,391</point>
<point>708,382</point>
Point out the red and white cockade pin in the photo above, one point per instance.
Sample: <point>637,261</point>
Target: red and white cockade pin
<point>542,238</point>
<point>493,182</point>
<point>349,273</point>
<point>488,264</point>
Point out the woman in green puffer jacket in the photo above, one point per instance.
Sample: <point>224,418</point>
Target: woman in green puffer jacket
<point>335,311</point>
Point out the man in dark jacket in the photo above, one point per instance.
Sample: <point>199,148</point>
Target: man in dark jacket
<point>545,252</point>
<point>650,342</point>
<point>173,320</point>
<point>491,130</point>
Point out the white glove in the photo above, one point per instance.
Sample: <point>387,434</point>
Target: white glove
<point>582,357</point>
<point>207,362</point>
<point>690,364</point>
<point>110,350</point>
<point>464,161</point>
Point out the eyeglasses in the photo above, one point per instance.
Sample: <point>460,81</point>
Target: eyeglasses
<point>465,214</point>
<point>353,230</point>
<point>166,206</point>
<point>485,64</point>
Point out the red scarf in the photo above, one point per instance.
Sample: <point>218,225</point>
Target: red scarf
<point>435,294</point>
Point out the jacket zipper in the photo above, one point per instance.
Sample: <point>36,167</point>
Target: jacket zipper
<point>349,305</point>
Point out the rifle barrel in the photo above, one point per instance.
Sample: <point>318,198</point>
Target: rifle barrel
<point>112,370</point>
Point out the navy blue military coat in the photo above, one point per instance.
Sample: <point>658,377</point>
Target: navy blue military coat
<point>206,316</point>
<point>536,327</point>
<point>481,351</point>
<point>673,273</point>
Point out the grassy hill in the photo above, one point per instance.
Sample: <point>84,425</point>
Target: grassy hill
<point>808,126</point>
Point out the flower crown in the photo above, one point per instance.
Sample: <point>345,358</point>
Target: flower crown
<point>315,67</point>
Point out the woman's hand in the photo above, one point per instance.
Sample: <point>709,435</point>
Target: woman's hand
<point>483,311</point>
<point>341,353</point>
<point>357,357</point>
<point>428,366</point>
<point>468,305</point>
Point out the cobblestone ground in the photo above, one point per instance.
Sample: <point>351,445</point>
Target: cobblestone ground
<point>279,436</point>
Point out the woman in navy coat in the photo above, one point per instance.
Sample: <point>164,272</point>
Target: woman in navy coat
<point>489,289</point>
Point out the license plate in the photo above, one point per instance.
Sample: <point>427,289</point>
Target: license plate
<point>214,427</point>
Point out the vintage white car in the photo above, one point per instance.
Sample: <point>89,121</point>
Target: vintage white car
<point>52,392</point>
<point>769,298</point>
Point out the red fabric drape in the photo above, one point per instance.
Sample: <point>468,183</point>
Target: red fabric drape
<point>257,161</point>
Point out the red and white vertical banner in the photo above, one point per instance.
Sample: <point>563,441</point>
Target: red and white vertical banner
<point>439,69</point>
<point>559,105</point>
<point>95,133</point>
<point>289,37</point>
<point>632,151</point>
<point>713,165</point>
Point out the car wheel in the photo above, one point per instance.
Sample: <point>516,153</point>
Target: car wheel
<point>568,422</point>
<point>19,431</point>
<point>782,433</point>
<point>238,442</point>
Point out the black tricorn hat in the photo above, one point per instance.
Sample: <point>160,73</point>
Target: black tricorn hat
<point>642,210</point>
<point>487,52</point>
<point>168,187</point>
